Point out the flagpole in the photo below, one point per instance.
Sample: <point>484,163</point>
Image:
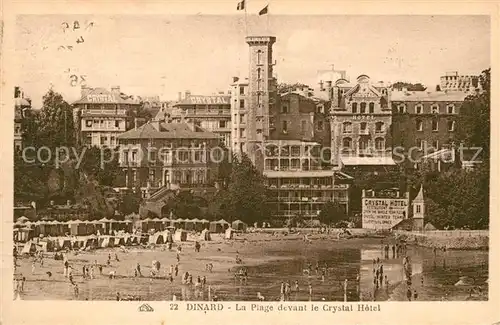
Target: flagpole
<point>268,14</point>
<point>246,25</point>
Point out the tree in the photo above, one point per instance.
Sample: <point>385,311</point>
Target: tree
<point>55,127</point>
<point>409,86</point>
<point>332,213</point>
<point>287,87</point>
<point>129,202</point>
<point>185,206</point>
<point>246,193</point>
<point>474,119</point>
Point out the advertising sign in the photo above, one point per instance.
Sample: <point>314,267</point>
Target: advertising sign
<point>383,213</point>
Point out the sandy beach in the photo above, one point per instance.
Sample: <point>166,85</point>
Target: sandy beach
<point>269,259</point>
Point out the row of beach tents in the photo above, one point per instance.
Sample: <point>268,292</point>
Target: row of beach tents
<point>51,244</point>
<point>24,229</point>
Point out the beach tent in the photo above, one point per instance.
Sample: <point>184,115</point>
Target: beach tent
<point>29,248</point>
<point>91,242</point>
<point>119,241</point>
<point>167,236</point>
<point>103,242</point>
<point>229,233</point>
<point>157,238</point>
<point>180,235</point>
<point>205,224</point>
<point>205,235</point>
<point>189,224</point>
<point>239,225</point>
<point>24,234</point>
<point>198,225</point>
<point>22,219</point>
<point>219,226</point>
<point>112,241</point>
<point>128,240</point>
<point>429,226</point>
<point>64,243</point>
<point>177,223</point>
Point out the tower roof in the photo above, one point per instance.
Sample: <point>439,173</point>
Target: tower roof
<point>420,195</point>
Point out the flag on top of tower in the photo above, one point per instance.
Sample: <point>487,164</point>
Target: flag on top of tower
<point>263,11</point>
<point>241,5</point>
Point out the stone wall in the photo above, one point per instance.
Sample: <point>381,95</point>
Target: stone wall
<point>451,239</point>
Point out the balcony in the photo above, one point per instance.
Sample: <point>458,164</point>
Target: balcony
<point>364,132</point>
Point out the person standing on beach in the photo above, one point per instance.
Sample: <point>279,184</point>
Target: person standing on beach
<point>393,251</point>
<point>282,291</point>
<point>408,293</point>
<point>415,295</point>
<point>138,268</point>
<point>176,269</point>
<point>171,269</point>
<point>296,286</point>
<point>310,292</point>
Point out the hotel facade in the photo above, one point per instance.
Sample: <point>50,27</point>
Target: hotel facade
<point>101,115</point>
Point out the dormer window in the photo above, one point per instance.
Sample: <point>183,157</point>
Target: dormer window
<point>450,109</point>
<point>435,109</point>
<point>402,108</point>
<point>419,108</point>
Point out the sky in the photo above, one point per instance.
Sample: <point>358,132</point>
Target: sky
<point>163,55</point>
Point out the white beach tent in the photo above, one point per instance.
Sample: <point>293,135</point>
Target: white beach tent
<point>205,235</point>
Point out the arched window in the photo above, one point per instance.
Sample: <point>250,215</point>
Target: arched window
<point>362,108</point>
<point>371,107</point>
<point>379,127</point>
<point>259,57</point>
<point>354,108</point>
<point>347,127</point>
<point>347,143</point>
<point>380,143</point>
<point>363,143</point>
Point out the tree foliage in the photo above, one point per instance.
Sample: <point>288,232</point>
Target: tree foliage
<point>409,86</point>
<point>246,194</point>
<point>287,87</point>
<point>56,127</point>
<point>474,121</point>
<point>332,213</point>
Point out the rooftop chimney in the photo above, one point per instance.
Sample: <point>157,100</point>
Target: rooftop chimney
<point>187,94</point>
<point>321,85</point>
<point>235,79</point>
<point>179,97</point>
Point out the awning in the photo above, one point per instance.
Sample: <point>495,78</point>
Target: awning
<point>299,173</point>
<point>367,161</point>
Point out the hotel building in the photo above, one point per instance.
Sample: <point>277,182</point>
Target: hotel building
<point>360,123</point>
<point>212,113</point>
<point>101,115</point>
<point>159,154</point>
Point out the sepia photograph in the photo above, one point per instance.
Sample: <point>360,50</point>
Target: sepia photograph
<point>250,157</point>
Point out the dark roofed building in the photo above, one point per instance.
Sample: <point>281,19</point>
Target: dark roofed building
<point>160,154</point>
